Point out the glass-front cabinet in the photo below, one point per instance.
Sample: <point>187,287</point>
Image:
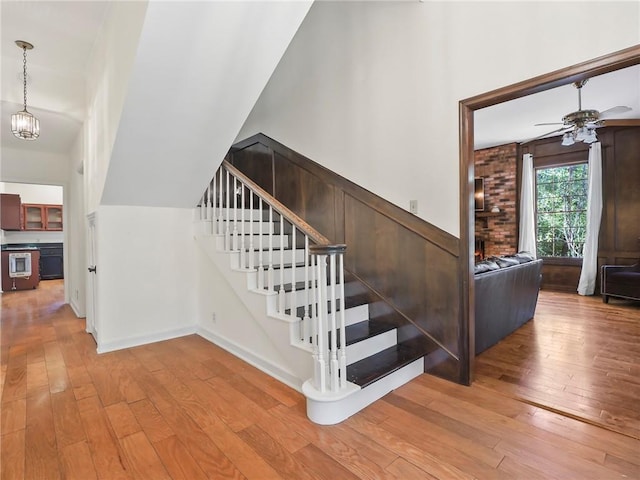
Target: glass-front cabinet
<point>42,217</point>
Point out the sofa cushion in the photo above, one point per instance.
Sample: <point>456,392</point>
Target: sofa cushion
<point>485,266</point>
<point>506,261</point>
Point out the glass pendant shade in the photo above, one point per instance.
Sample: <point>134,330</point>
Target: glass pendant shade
<point>591,136</point>
<point>567,139</point>
<point>25,126</point>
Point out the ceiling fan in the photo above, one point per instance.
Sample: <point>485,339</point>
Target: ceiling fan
<point>580,126</point>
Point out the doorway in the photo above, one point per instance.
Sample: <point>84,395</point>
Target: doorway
<point>598,66</point>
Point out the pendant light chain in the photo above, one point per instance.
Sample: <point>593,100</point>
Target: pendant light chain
<point>23,124</point>
<point>24,73</point>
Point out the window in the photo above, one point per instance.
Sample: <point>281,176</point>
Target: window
<point>561,210</point>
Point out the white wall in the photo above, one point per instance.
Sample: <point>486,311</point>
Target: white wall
<point>371,89</point>
<point>30,193</point>
<point>32,166</point>
<point>146,275</point>
<point>75,227</point>
<point>107,83</point>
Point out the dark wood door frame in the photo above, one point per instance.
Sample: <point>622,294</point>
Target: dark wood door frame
<point>598,66</point>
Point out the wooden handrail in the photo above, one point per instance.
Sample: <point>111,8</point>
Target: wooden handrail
<point>307,229</point>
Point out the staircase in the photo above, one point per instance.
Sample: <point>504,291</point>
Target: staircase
<point>341,345</point>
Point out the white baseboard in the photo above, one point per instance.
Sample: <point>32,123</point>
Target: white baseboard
<point>104,347</point>
<point>251,358</point>
<point>76,309</point>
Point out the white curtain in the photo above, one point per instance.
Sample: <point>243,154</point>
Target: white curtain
<point>527,240</point>
<point>587,283</point>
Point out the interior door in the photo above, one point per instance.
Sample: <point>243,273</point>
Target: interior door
<point>92,280</point>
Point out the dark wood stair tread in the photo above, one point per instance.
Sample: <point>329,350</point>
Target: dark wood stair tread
<point>387,361</point>
<point>366,329</point>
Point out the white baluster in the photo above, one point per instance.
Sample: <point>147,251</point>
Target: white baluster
<point>333,370</point>
<point>251,247</point>
<point>243,250</point>
<point>227,221</point>
<point>270,279</point>
<point>281,294</point>
<point>294,302</point>
<point>214,198</point>
<point>235,214</point>
<point>343,334</point>
<point>306,321</point>
<point>260,249</point>
<point>220,230</point>
<point>210,213</point>
<point>321,366</point>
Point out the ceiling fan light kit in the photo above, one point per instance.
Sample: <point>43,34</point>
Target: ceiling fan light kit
<point>23,124</point>
<point>580,126</point>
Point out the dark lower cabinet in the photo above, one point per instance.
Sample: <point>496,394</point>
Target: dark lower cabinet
<point>51,261</point>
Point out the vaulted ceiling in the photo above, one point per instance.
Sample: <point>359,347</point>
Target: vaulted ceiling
<point>64,34</point>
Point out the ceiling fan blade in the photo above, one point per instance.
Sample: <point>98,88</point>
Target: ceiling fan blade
<point>615,111</point>
<point>624,122</point>
<point>550,123</point>
<point>547,134</point>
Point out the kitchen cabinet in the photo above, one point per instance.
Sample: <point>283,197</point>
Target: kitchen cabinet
<point>10,211</point>
<point>41,216</point>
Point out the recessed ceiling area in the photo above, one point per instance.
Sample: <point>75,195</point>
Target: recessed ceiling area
<point>515,121</point>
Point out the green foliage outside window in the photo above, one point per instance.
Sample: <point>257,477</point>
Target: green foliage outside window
<point>561,216</point>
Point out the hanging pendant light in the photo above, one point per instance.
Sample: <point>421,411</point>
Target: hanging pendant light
<point>23,124</point>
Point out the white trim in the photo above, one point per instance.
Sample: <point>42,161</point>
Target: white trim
<point>145,339</point>
<point>76,309</point>
<point>329,409</point>
<point>251,358</point>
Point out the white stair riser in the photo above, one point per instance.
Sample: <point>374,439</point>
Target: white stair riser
<point>357,314</point>
<point>298,257</point>
<point>371,346</point>
<point>277,240</point>
<point>266,227</point>
<point>257,214</point>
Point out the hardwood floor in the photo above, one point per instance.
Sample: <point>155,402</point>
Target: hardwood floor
<point>185,409</point>
<point>578,356</point>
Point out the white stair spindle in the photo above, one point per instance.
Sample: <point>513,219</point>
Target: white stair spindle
<point>306,321</point>
<point>227,230</point>
<point>243,251</point>
<point>294,303</point>
<point>251,246</point>
<point>235,214</point>
<point>321,365</point>
<point>220,230</point>
<point>214,198</point>
<point>343,333</point>
<point>333,332</point>
<point>260,249</point>
<point>270,279</point>
<point>210,215</point>
<point>281,293</point>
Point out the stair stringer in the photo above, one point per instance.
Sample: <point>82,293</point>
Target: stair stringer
<point>296,366</point>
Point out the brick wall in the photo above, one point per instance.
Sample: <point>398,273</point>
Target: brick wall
<point>497,165</point>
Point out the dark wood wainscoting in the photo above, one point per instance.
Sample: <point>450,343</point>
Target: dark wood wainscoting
<point>406,261</point>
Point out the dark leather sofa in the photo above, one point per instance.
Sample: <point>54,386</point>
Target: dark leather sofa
<point>620,281</point>
<point>505,296</point>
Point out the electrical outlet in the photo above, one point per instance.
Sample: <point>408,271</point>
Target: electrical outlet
<point>413,206</point>
<point>213,317</point>
<point>77,294</point>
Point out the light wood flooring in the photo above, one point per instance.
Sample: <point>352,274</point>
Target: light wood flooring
<point>185,409</point>
<point>578,356</point>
